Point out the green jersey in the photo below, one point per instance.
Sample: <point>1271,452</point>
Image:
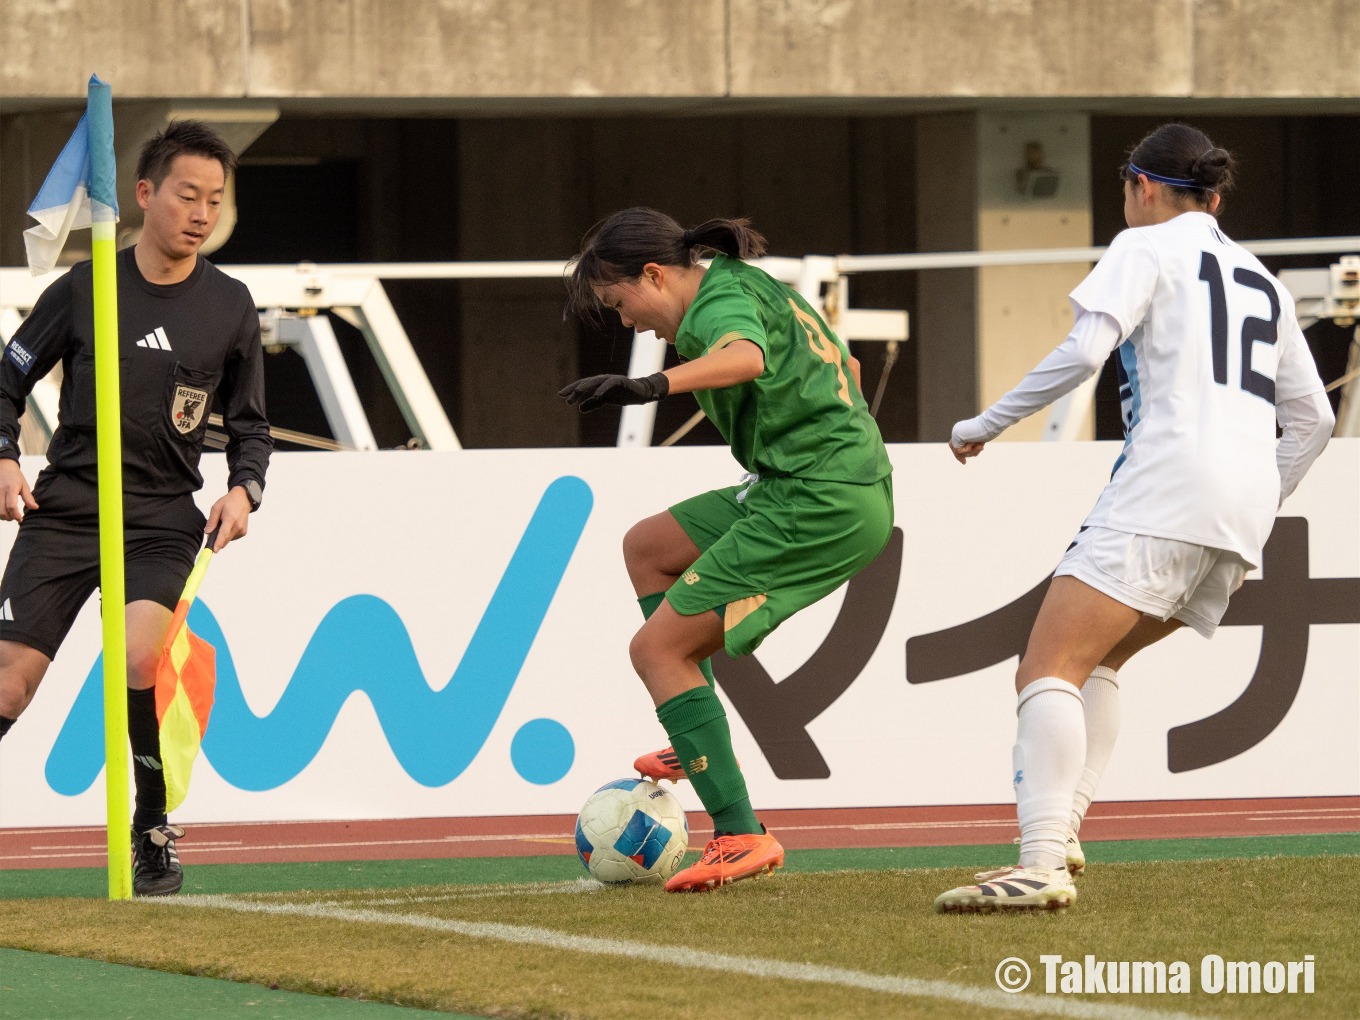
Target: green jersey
<point>804,416</point>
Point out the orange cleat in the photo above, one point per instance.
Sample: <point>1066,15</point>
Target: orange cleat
<point>729,859</point>
<point>660,765</point>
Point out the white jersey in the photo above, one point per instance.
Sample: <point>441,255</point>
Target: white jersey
<point>1210,344</point>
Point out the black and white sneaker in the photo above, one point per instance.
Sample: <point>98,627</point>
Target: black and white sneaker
<point>1011,889</point>
<point>155,863</point>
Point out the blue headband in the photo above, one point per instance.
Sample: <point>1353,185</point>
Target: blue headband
<point>1175,181</point>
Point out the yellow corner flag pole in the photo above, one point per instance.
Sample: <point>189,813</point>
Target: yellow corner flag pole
<point>109,423</point>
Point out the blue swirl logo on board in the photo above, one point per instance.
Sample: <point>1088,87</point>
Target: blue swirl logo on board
<point>362,645</point>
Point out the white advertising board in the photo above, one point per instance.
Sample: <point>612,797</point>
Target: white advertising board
<point>426,634</point>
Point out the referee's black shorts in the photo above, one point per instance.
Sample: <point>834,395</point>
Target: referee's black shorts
<point>53,567</point>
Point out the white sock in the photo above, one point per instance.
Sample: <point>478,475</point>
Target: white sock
<point>1100,704</point>
<point>1050,746</point>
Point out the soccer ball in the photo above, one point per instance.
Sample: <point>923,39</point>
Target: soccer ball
<point>631,830</point>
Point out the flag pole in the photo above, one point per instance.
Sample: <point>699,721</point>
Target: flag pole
<point>109,421</point>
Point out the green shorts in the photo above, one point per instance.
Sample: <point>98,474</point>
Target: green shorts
<point>786,544</point>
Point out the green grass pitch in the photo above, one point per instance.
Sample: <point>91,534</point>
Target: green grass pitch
<point>808,942</point>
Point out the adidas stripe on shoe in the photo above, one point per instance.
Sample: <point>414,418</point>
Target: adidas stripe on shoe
<point>729,859</point>
<point>1076,857</point>
<point>1011,889</point>
<point>663,764</point>
<point>659,765</point>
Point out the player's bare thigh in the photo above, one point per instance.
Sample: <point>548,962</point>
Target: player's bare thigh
<point>21,671</point>
<point>1147,631</point>
<point>22,668</point>
<point>656,550</point>
<point>1076,629</point>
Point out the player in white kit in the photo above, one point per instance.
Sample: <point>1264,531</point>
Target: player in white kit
<point>1210,358</point>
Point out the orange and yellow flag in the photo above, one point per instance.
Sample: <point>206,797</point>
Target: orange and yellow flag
<point>186,678</point>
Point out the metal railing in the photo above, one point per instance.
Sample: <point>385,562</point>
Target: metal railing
<point>290,295</point>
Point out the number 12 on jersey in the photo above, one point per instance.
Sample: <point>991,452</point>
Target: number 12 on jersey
<point>1254,330</point>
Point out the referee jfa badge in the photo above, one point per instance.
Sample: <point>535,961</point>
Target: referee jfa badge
<point>188,408</point>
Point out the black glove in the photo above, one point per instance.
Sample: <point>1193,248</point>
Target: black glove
<point>598,390</point>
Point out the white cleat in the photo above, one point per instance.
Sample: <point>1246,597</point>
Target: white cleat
<point>1011,889</point>
<point>1076,858</point>
<point>987,876</point>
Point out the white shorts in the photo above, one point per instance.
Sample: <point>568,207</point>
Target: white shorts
<point>1159,577</point>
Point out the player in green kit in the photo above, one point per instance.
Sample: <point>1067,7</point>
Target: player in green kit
<point>724,569</point>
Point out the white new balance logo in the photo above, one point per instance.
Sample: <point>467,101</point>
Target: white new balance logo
<point>6,613</point>
<point>156,340</point>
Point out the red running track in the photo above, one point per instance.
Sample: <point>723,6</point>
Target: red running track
<point>418,838</point>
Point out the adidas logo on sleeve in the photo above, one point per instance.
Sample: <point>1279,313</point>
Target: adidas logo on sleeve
<point>6,613</point>
<point>155,340</point>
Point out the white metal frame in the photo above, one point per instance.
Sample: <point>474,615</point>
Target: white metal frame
<point>356,294</point>
<point>637,420</point>
<point>315,340</point>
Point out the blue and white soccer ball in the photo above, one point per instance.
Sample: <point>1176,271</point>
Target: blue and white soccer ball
<point>631,830</point>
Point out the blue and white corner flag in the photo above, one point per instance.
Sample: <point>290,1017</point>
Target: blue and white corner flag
<point>74,196</point>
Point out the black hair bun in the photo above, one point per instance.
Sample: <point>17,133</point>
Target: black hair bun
<point>1211,168</point>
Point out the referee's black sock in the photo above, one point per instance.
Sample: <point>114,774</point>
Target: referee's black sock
<point>145,736</point>
<point>5,724</point>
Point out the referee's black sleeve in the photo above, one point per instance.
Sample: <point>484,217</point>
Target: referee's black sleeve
<point>35,348</point>
<point>243,416</point>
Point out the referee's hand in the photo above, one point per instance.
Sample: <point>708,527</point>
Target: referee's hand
<point>231,514</point>
<point>14,491</point>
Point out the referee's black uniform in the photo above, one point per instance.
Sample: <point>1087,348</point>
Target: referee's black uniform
<point>181,346</point>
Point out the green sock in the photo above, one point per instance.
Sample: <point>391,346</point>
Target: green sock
<point>697,726</point>
<point>649,604</point>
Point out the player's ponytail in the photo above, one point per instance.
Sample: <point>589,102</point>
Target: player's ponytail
<point>731,237</point>
<point>1185,160</point>
<point>618,247</point>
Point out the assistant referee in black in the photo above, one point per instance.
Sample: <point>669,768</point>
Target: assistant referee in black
<point>189,336</point>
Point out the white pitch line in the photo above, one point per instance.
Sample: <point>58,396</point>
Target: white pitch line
<point>576,885</point>
<point>492,890</point>
<point>189,847</point>
<point>685,957</point>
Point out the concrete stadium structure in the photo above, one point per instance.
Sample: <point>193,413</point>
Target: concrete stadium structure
<point>376,130</point>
